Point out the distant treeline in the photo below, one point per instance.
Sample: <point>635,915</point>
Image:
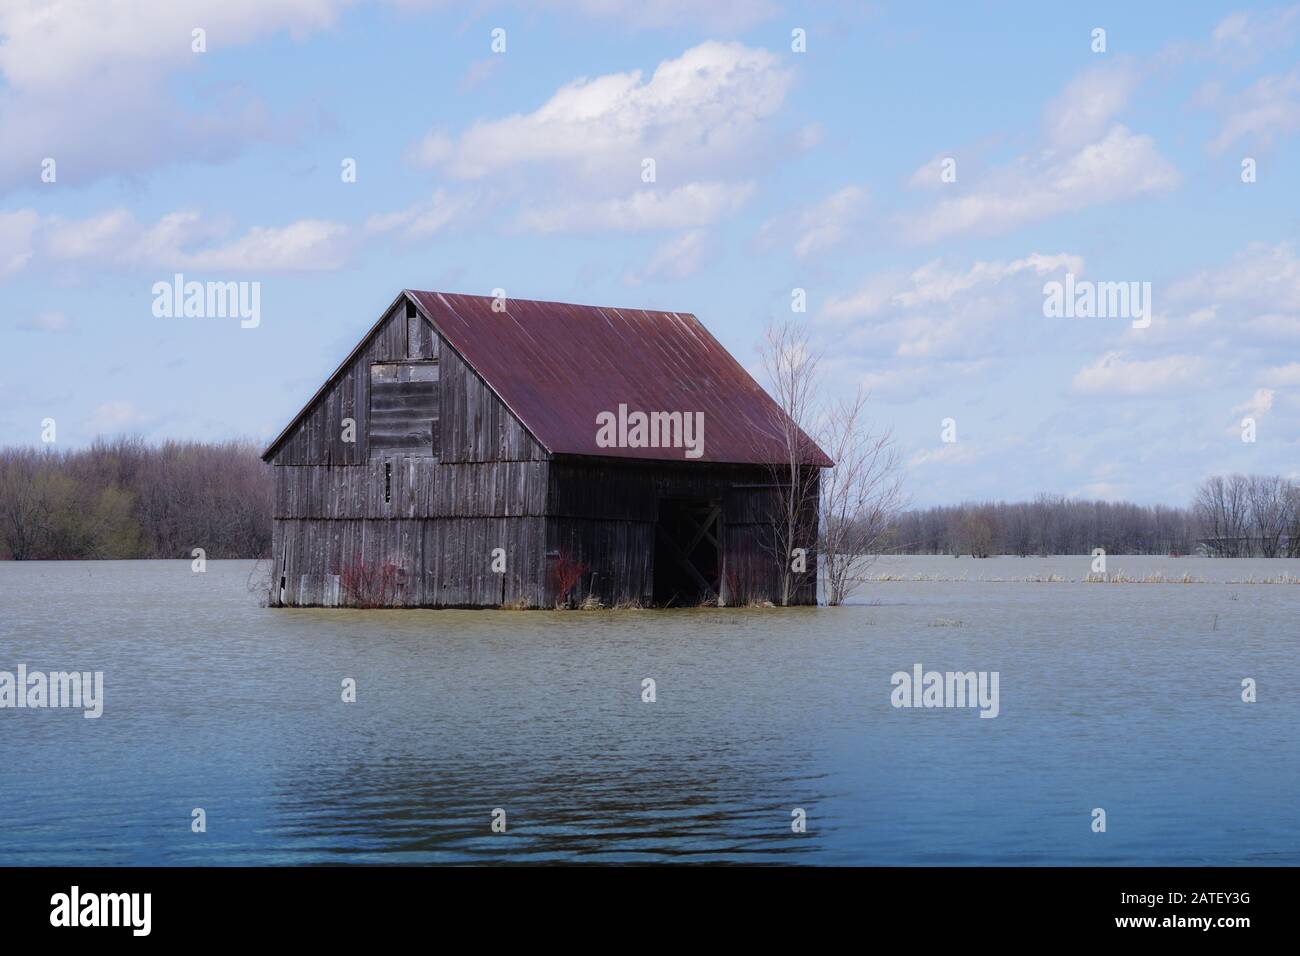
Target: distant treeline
<point>129,499</point>
<point>1233,516</point>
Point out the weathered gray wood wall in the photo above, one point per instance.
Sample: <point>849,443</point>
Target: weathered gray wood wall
<point>420,488</point>
<point>603,514</point>
<point>444,562</point>
<point>477,425</point>
<point>387,500</point>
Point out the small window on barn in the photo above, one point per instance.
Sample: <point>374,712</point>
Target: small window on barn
<point>404,409</point>
<point>416,338</point>
<point>388,481</point>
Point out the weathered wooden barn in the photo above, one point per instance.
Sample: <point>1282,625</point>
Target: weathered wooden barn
<point>473,452</point>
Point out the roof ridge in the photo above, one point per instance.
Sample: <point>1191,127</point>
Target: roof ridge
<point>573,305</point>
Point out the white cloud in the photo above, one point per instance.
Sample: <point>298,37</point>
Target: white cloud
<point>892,383</point>
<point>822,226</point>
<point>732,15</point>
<point>1282,376</point>
<point>1266,111</point>
<point>16,231</point>
<point>1085,158</point>
<point>1242,37</point>
<point>89,82</point>
<point>832,221</point>
<point>678,258</point>
<point>1116,374</point>
<point>932,283</point>
<point>184,240</point>
<point>578,162</point>
<point>953,453</point>
<point>45,322</point>
<point>929,282</point>
<point>112,416</point>
<point>1258,404</point>
<point>479,72</point>
<point>1243,315</point>
<point>715,15</point>
<point>1083,111</point>
<point>431,149</point>
<point>1121,165</point>
<point>1261,281</point>
<point>66,43</point>
<point>1274,325</point>
<point>938,311</point>
<point>908,382</point>
<point>1101,491</point>
<point>426,218</point>
<point>929,175</point>
<point>308,244</point>
<point>690,206</point>
<point>704,109</point>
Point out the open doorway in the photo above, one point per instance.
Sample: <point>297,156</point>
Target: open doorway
<point>687,551</point>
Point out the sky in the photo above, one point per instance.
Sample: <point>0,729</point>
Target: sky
<point>923,172</point>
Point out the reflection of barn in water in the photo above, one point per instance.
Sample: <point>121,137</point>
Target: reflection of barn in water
<point>474,447</point>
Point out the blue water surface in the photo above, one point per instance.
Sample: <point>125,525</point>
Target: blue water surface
<point>1125,697</point>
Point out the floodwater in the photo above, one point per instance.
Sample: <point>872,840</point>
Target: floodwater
<point>1124,697</point>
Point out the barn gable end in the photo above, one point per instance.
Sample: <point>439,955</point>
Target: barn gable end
<point>473,424</point>
<point>439,475</point>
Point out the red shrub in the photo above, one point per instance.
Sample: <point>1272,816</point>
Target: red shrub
<point>370,584</point>
<point>566,573</point>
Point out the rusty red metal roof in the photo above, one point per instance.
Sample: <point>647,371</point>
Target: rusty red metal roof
<point>557,366</point>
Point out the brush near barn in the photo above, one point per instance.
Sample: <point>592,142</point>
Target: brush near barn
<point>480,452</point>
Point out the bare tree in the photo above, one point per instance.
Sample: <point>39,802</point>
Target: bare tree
<point>1222,506</point>
<point>1211,504</point>
<point>860,497</point>
<point>1291,495</point>
<point>977,533</point>
<point>1019,530</point>
<point>1266,497</point>
<point>1238,514</point>
<point>21,522</point>
<point>791,369</point>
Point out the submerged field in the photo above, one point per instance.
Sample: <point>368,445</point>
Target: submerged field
<point>1125,697</point>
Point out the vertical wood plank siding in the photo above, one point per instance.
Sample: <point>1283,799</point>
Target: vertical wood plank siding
<point>443,563</point>
<point>441,518</point>
<point>603,514</point>
<point>476,426</point>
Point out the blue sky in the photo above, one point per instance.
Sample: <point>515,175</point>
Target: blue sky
<point>775,169</point>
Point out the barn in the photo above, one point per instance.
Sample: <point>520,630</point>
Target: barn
<point>488,452</point>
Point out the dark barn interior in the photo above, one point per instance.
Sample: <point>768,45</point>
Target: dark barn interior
<point>687,567</point>
<point>453,460</point>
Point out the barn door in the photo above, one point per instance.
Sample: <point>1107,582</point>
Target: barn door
<point>688,547</point>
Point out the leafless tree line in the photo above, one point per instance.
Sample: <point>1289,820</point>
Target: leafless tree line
<point>128,499</point>
<point>1233,516</point>
<point>1245,515</point>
